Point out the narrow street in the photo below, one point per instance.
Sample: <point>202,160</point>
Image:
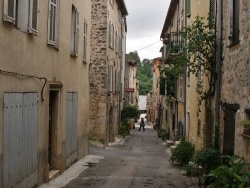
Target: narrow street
<point>140,160</point>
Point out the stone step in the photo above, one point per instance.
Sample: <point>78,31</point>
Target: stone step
<point>53,174</point>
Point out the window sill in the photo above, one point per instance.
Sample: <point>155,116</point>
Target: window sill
<point>233,44</point>
<point>245,135</point>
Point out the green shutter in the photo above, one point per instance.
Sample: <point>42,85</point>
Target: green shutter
<point>188,7</point>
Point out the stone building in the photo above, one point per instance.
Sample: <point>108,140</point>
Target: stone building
<point>175,112</point>
<point>45,55</point>
<point>108,34</point>
<point>235,77</point>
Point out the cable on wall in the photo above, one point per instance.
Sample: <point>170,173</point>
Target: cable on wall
<point>27,76</point>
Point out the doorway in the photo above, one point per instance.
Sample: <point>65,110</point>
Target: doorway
<point>229,132</point>
<point>53,124</point>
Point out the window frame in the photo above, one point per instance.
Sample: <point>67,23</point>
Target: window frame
<point>54,41</point>
<point>74,32</point>
<point>22,14</point>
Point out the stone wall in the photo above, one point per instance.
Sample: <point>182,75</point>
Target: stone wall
<point>235,83</point>
<point>103,125</point>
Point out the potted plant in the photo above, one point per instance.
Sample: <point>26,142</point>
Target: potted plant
<point>246,124</point>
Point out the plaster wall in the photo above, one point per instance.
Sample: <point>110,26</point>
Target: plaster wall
<point>27,54</point>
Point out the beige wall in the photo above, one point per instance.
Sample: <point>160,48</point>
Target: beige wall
<point>197,123</point>
<point>27,54</point>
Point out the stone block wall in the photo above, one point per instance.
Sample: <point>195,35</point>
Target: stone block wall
<point>235,84</point>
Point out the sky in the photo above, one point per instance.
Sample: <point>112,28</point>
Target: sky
<point>145,21</point>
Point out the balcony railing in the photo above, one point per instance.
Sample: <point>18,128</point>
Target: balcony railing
<point>174,44</point>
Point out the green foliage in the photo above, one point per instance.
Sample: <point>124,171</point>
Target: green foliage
<point>124,129</point>
<point>163,134</point>
<point>201,47</point>
<point>183,153</point>
<point>245,123</point>
<point>208,159</point>
<point>129,112</point>
<point>235,174</point>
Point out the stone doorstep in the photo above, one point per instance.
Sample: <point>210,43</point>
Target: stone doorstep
<point>169,143</point>
<point>53,174</point>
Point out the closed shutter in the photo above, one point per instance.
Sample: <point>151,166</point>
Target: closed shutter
<point>188,7</point>
<point>33,16</point>
<point>10,11</point>
<point>76,32</point>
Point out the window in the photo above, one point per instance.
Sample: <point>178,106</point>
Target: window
<point>111,35</point>
<point>23,14</point>
<point>53,23</point>
<point>85,37</point>
<point>234,21</point>
<point>74,31</point>
<point>188,8</point>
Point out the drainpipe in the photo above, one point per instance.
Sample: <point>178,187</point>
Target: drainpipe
<point>218,59</point>
<point>185,80</point>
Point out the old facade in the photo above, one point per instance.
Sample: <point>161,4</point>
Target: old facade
<point>44,92</point>
<point>108,34</point>
<point>175,112</point>
<point>230,99</point>
<point>131,84</point>
<point>235,77</point>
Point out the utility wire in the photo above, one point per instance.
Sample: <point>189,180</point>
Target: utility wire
<point>26,76</point>
<point>148,46</point>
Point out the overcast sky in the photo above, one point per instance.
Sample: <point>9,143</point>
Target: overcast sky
<point>145,22</point>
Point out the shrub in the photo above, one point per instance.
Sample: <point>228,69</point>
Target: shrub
<point>163,134</point>
<point>183,153</point>
<point>129,112</point>
<point>124,129</point>
<point>208,159</point>
<point>235,174</point>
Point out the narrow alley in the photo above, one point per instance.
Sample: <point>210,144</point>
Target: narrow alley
<point>139,160</point>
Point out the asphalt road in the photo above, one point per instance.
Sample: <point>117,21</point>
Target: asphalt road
<point>141,161</point>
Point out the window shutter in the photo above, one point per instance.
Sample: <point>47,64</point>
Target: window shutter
<point>212,13</point>
<point>113,34</point>
<point>57,22</point>
<point>85,30</point>
<point>110,34</point>
<point>10,11</point>
<point>33,17</point>
<point>188,7</point>
<point>76,37</point>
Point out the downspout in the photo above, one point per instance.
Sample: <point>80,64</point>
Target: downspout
<point>218,60</point>
<point>177,102</point>
<point>185,80</point>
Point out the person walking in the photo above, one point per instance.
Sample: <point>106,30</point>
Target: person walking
<point>142,125</point>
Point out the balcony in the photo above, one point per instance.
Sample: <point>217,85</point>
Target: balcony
<point>174,44</point>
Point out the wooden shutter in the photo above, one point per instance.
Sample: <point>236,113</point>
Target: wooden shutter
<point>188,7</point>
<point>76,36</point>
<point>33,16</point>
<point>10,11</point>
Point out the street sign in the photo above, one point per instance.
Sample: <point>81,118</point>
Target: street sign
<point>130,90</point>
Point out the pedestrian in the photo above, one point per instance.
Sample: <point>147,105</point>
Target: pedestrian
<point>142,125</point>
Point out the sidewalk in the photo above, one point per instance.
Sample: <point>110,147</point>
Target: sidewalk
<point>72,172</point>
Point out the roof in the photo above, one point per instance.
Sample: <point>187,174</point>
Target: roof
<point>169,17</point>
<point>122,7</point>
